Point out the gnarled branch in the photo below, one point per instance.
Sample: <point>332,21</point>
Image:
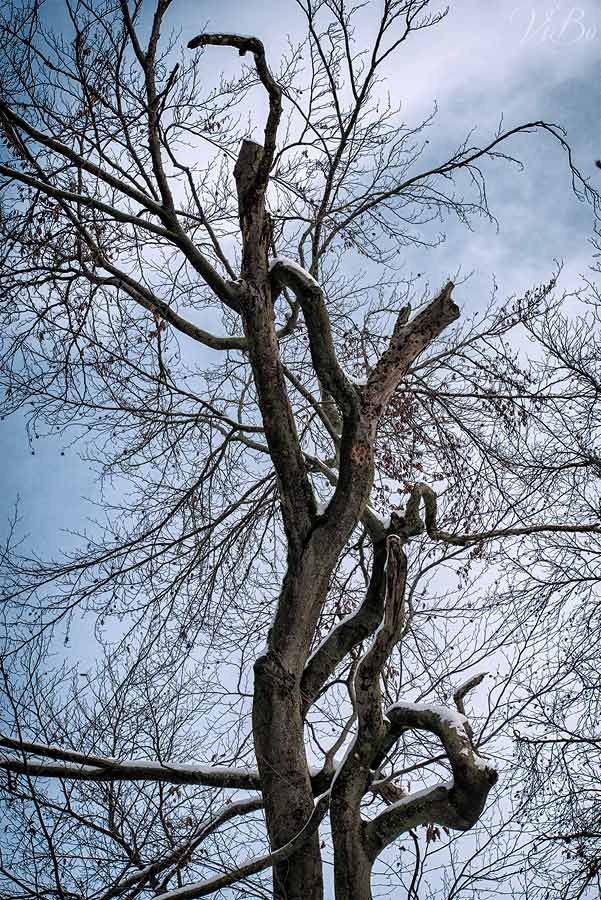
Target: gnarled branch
<point>457,804</point>
<point>414,524</point>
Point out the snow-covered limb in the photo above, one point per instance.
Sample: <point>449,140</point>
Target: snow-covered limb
<point>280,265</point>
<point>210,886</point>
<point>321,506</point>
<point>430,805</point>
<point>457,804</point>
<point>383,521</point>
<point>287,272</point>
<point>450,717</point>
<point>137,770</point>
<point>77,766</point>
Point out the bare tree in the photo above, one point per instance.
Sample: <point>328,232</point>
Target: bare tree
<point>208,316</point>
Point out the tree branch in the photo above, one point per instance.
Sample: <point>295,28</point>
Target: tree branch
<point>407,342</point>
<point>348,633</point>
<point>88,767</point>
<point>78,160</point>
<point>415,525</point>
<point>154,304</point>
<point>309,294</point>
<point>253,45</point>
<point>227,812</point>
<point>456,804</point>
<point>202,888</point>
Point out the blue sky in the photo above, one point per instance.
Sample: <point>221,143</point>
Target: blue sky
<point>525,61</point>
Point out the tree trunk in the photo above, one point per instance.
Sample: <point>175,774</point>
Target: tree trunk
<point>352,864</point>
<point>287,793</point>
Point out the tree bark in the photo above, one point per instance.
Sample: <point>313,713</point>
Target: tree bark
<point>288,795</point>
<point>352,863</point>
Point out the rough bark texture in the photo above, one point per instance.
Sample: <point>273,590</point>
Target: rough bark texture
<point>280,750</point>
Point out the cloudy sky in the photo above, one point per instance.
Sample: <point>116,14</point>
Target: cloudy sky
<point>526,61</point>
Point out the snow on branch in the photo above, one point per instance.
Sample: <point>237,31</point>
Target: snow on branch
<point>286,272</point>
<point>457,804</point>
<point>76,766</point>
<point>288,269</point>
